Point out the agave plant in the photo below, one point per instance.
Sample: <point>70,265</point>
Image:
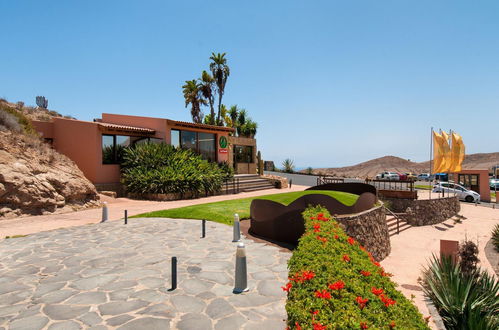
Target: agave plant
<point>288,166</point>
<point>464,301</point>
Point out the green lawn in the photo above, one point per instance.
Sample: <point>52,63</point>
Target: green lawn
<point>223,212</point>
<point>423,186</point>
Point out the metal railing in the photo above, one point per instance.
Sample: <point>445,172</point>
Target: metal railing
<point>329,179</point>
<point>405,185</point>
<point>231,186</point>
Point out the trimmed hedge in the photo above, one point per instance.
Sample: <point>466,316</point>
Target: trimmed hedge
<point>336,284</point>
<point>158,168</point>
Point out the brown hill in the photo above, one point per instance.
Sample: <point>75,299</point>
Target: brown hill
<point>34,178</point>
<point>397,164</point>
<point>33,113</point>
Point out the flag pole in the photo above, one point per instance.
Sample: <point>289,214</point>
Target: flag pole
<point>431,156</point>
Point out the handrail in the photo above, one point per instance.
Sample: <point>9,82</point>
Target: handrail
<point>395,216</point>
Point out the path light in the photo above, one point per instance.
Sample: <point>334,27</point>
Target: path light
<point>241,282</point>
<point>126,217</point>
<point>203,228</point>
<point>237,229</point>
<point>104,212</point>
<point>174,274</point>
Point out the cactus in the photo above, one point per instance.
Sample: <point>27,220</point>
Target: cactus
<point>259,163</point>
<point>42,102</point>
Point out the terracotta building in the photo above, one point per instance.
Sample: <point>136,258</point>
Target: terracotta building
<point>94,146</point>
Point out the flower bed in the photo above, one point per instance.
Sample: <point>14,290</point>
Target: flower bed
<point>334,283</point>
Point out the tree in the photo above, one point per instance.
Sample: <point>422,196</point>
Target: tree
<point>194,97</point>
<point>233,114</point>
<point>220,71</point>
<point>288,166</point>
<point>207,85</point>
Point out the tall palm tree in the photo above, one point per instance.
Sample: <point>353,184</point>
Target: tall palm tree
<point>220,71</point>
<point>233,113</point>
<point>194,97</point>
<point>207,83</point>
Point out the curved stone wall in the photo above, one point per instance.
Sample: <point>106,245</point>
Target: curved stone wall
<point>423,212</point>
<point>370,229</point>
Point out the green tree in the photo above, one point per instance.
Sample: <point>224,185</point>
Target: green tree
<point>220,71</point>
<point>194,97</point>
<point>207,85</point>
<point>233,114</point>
<point>288,166</point>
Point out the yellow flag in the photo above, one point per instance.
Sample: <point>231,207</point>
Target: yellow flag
<point>447,162</point>
<point>437,152</point>
<point>457,153</point>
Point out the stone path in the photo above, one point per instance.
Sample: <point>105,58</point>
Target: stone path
<point>113,275</point>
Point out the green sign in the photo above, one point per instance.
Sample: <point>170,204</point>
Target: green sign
<point>222,142</point>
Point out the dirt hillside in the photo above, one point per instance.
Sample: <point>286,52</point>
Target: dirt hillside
<point>397,164</point>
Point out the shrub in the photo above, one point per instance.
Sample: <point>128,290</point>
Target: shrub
<point>336,284</point>
<point>160,168</point>
<point>468,255</point>
<point>9,122</point>
<point>227,170</point>
<point>22,120</point>
<point>464,301</point>
<point>495,237</point>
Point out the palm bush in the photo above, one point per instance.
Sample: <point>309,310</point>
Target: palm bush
<point>464,301</point>
<point>495,237</point>
<point>288,166</point>
<point>162,169</point>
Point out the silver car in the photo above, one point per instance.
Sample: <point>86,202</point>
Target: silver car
<point>458,190</point>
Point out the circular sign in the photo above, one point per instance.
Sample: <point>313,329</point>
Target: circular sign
<point>222,142</point>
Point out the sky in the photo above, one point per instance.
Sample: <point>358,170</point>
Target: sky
<point>330,83</point>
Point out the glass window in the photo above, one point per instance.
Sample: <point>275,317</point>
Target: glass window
<point>175,138</point>
<point>188,140</point>
<point>207,148</point>
<point>108,149</point>
<point>243,154</point>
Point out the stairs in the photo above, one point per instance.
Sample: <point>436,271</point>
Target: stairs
<point>391,221</point>
<point>252,182</point>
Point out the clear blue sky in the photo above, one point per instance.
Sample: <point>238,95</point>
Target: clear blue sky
<point>330,83</point>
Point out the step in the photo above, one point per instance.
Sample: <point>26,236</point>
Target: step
<point>268,185</point>
<point>254,188</point>
<point>253,184</point>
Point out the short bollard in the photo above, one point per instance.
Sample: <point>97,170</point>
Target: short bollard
<point>241,282</point>
<point>290,183</point>
<point>126,217</point>
<point>104,212</point>
<point>203,229</point>
<point>174,273</point>
<point>237,229</point>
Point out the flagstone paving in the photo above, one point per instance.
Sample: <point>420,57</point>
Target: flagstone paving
<point>113,275</point>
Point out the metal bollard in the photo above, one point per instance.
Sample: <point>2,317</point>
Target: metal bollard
<point>290,183</point>
<point>126,217</point>
<point>203,228</point>
<point>237,229</point>
<point>104,212</point>
<point>241,281</point>
<point>174,273</point>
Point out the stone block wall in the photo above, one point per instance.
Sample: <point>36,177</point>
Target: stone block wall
<point>370,229</point>
<point>425,212</point>
<point>278,181</point>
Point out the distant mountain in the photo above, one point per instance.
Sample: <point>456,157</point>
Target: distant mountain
<point>397,164</point>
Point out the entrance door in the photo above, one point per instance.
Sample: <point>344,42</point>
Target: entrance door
<point>470,181</point>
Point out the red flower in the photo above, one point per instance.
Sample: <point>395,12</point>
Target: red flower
<point>287,287</point>
<point>320,215</point>
<point>336,237</point>
<point>387,301</point>
<point>297,326</point>
<point>312,218</point>
<point>375,263</point>
<point>346,258</point>
<point>362,302</point>
<point>323,294</point>
<point>351,241</point>
<point>318,326</point>
<point>383,273</point>
<point>392,325</point>
<point>322,239</point>
<point>376,292</point>
<point>363,325</point>
<point>308,275</point>
<point>314,312</point>
<point>365,273</point>
<point>338,285</point>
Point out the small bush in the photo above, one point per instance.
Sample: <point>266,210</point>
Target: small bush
<point>22,120</point>
<point>495,237</point>
<point>336,284</point>
<point>468,255</point>
<point>9,122</point>
<point>464,301</point>
<point>227,170</point>
<point>158,168</point>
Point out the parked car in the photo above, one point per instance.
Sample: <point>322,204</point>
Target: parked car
<point>424,177</point>
<point>458,190</point>
<point>411,176</point>
<point>494,184</point>
<point>402,176</point>
<point>387,176</point>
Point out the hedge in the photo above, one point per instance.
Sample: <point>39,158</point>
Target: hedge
<point>334,283</point>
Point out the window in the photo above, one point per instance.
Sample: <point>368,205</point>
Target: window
<point>113,146</point>
<point>243,154</point>
<point>201,143</point>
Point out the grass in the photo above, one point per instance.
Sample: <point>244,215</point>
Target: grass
<point>15,236</point>
<point>423,186</point>
<point>223,212</point>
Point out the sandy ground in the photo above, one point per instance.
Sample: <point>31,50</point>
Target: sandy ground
<point>411,249</point>
<point>116,208</point>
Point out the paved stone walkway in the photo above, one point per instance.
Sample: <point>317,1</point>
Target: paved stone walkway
<point>113,275</point>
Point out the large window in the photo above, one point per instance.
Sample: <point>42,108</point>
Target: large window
<point>114,145</point>
<point>201,143</point>
<point>243,154</point>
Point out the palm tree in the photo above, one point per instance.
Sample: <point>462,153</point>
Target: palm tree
<point>288,165</point>
<point>207,83</point>
<point>194,97</point>
<point>233,113</point>
<point>220,71</point>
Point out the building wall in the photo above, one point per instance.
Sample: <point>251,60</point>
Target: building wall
<point>45,128</point>
<point>242,168</point>
<point>157,124</point>
<point>483,180</point>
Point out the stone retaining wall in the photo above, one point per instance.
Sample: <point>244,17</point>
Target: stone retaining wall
<point>370,229</point>
<point>425,212</point>
<point>278,181</point>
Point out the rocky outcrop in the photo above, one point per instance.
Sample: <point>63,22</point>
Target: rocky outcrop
<point>35,179</point>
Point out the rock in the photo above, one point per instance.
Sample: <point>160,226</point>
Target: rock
<point>35,178</point>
